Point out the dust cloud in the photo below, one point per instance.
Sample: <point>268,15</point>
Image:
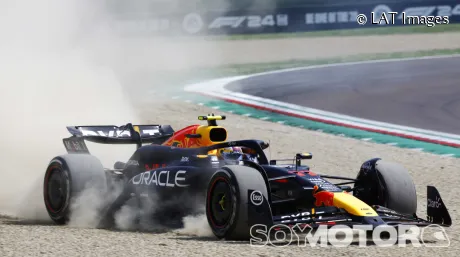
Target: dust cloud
<point>63,64</point>
<point>196,225</point>
<point>51,77</point>
<point>67,63</point>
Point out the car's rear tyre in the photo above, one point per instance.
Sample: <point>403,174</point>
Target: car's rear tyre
<point>66,176</point>
<point>227,201</point>
<point>387,184</point>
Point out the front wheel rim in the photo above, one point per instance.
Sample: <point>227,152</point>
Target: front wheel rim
<point>220,202</point>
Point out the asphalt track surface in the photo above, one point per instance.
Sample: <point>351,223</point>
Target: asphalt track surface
<point>421,93</point>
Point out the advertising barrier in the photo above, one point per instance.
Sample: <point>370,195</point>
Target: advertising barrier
<point>296,19</point>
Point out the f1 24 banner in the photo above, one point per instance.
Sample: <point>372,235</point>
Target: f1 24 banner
<point>290,20</point>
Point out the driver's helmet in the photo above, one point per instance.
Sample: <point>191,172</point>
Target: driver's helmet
<point>236,154</point>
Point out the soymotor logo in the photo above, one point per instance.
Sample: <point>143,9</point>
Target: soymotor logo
<point>341,236</point>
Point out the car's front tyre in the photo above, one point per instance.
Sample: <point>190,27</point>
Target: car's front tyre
<point>386,184</point>
<point>229,209</point>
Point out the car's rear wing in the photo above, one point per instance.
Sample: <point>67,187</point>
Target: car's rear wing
<point>110,134</point>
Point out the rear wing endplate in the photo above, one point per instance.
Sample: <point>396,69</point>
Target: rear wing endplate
<point>125,134</point>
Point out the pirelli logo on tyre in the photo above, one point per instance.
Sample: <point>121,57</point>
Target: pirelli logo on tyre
<point>256,197</point>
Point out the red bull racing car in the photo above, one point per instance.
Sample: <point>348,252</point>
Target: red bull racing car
<point>172,174</point>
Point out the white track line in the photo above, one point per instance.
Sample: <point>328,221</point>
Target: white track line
<point>216,88</point>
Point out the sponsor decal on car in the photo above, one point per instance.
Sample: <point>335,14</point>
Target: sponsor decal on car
<point>436,203</point>
<point>298,217</point>
<point>323,197</point>
<point>117,133</point>
<point>164,178</point>
<point>367,166</point>
<point>133,162</point>
<point>257,198</point>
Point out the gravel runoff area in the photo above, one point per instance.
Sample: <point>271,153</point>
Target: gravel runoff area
<point>332,154</point>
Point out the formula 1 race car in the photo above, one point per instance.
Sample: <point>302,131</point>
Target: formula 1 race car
<point>196,169</point>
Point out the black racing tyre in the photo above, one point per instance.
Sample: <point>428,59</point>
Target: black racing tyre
<point>227,200</point>
<point>390,185</point>
<point>66,176</point>
<point>400,190</point>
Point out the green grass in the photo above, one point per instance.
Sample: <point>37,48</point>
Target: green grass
<point>174,81</point>
<point>178,79</point>
<point>377,30</point>
<point>243,69</point>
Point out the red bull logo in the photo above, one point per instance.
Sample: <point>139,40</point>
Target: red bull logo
<point>179,139</point>
<point>323,197</point>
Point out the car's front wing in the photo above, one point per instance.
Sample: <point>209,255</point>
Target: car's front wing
<point>331,216</point>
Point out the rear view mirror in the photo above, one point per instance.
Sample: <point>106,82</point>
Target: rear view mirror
<point>304,156</point>
<point>301,156</point>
